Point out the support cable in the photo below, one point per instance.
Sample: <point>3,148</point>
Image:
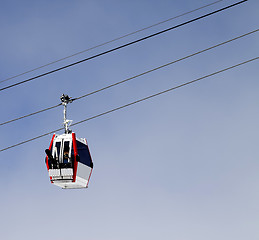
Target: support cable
<point>165,65</point>
<point>136,76</point>
<point>110,41</point>
<point>122,46</point>
<point>132,103</point>
<point>31,114</point>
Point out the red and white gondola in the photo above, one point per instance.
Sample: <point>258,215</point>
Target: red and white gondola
<point>68,159</point>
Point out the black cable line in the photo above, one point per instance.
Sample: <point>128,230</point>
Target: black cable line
<point>124,45</point>
<point>30,114</point>
<point>137,101</point>
<point>110,41</point>
<point>136,76</point>
<point>165,65</point>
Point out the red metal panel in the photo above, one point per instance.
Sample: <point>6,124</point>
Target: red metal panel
<point>47,158</point>
<point>75,154</point>
<point>50,146</point>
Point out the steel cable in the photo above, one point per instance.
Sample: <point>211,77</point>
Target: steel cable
<point>122,46</point>
<point>136,76</point>
<point>110,41</point>
<point>135,102</point>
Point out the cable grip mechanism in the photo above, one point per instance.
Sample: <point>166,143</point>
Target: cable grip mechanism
<point>65,99</point>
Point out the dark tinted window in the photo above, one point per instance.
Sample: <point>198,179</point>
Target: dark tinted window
<point>66,146</point>
<point>84,154</point>
<point>57,153</point>
<point>66,152</point>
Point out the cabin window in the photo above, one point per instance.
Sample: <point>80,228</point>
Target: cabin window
<point>56,154</point>
<point>84,154</point>
<point>66,152</point>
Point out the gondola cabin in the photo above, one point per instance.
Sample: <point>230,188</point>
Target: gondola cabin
<point>68,161</point>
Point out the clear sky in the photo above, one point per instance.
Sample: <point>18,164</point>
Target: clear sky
<point>183,165</point>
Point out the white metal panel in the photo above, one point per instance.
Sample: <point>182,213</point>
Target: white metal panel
<point>67,172</point>
<point>83,171</point>
<point>69,185</point>
<point>81,181</point>
<point>54,172</point>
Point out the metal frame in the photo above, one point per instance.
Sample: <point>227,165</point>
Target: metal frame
<point>65,99</point>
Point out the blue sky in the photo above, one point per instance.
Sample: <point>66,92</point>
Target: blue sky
<point>182,166</point>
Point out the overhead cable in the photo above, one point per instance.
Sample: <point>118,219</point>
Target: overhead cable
<point>122,46</point>
<point>135,102</point>
<point>165,65</point>
<point>110,41</point>
<point>30,114</point>
<point>136,76</point>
